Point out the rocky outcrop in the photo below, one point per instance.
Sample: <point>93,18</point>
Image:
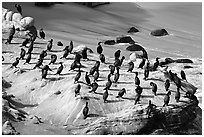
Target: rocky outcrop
<point>124,39</point>
<point>110,42</point>
<point>132,30</point>
<point>159,32</point>
<point>170,60</point>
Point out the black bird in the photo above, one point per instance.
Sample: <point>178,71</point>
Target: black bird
<point>167,84</point>
<point>150,108</point>
<point>108,83</point>
<point>156,64</point>
<point>131,66</point>
<point>146,73</point>
<point>30,48</point>
<point>177,95</point>
<point>22,54</point>
<point>84,53</point>
<point>137,98</point>
<point>44,74</point>
<point>66,48</point>
<point>121,93</point>
<point>138,90</point>
<point>71,46</point>
<point>49,45</point>
<point>77,57</point>
<point>99,48</point>
<point>66,53</point>
<point>117,54</point>
<point>39,63</point>
<point>112,69</point>
<point>46,67</point>
<point>59,43</point>
<point>42,33</point>
<point>87,79</point>
<point>25,42</point>
<point>78,75</point>
<point>117,75</point>
<point>117,62</point>
<point>86,110</point>
<point>18,7</point>
<point>137,80</point>
<point>121,61</point>
<point>177,81</point>
<point>43,54</point>
<point>171,75</point>
<point>77,89</point>
<point>92,70</point>
<point>97,65</point>
<point>102,58</point>
<point>59,70</point>
<point>28,58</point>
<point>11,34</point>
<point>154,88</point>
<point>96,75</point>
<point>15,63</point>
<point>94,86</point>
<point>183,75</point>
<point>73,65</point>
<point>105,95</point>
<point>53,59</point>
<point>142,63</point>
<point>167,98</point>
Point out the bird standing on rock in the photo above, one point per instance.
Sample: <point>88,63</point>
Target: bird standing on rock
<point>117,54</point>
<point>138,90</point>
<point>146,72</point>
<point>15,63</point>
<point>99,48</point>
<point>183,75</point>
<point>96,75</point>
<point>94,86</point>
<point>71,46</point>
<point>109,82</point>
<point>39,63</point>
<point>137,98</point>
<point>167,99</point>
<point>121,61</point>
<point>86,110</point>
<point>84,53</point>
<point>121,93</point>
<point>77,90</point>
<point>25,42</point>
<point>97,65</point>
<point>22,54</point>
<point>137,80</point>
<point>42,33</point>
<point>156,64</point>
<point>30,48</point>
<point>18,7</point>
<point>87,79</point>
<point>28,58</point>
<point>78,75</point>
<point>112,69</point>
<point>49,45</point>
<point>105,95</point>
<point>177,95</point>
<point>102,58</point>
<point>131,66</point>
<point>142,63</point>
<point>53,59</point>
<point>117,75</point>
<point>66,53</point>
<point>59,70</point>
<point>11,34</point>
<point>154,88</point>
<point>43,54</point>
<point>171,75</point>
<point>44,71</point>
<point>167,84</point>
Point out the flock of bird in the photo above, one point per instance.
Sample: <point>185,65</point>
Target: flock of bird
<point>95,70</point>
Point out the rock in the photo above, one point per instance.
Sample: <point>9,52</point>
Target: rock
<point>4,12</point>
<point>187,67</point>
<point>17,17</point>
<point>159,32</point>
<point>183,61</point>
<point>27,22</point>
<point>133,30</point>
<point>166,62</point>
<point>124,39</point>
<point>9,15</point>
<point>8,129</point>
<point>5,84</point>
<point>109,42</point>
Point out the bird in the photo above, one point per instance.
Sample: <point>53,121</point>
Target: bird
<point>117,62</point>
<point>92,70</point>
<point>77,57</point>
<point>149,108</point>
<point>71,46</point>
<point>22,53</point>
<point>99,48</point>
<point>30,48</point>
<point>42,33</point>
<point>44,74</point>
<point>183,75</point>
<point>11,34</point>
<point>142,63</point>
<point>15,63</point>
<point>77,89</point>
<point>130,66</point>
<point>171,75</point>
<point>156,64</point>
<point>25,42</point>
<point>137,98</point>
<point>59,70</point>
<point>146,73</point>
<point>102,58</point>
<point>167,84</point>
<point>137,80</point>
<point>49,45</point>
<point>105,95</point>
<point>177,80</point>
<point>18,7</point>
<point>177,95</point>
<point>78,75</point>
<point>46,67</point>
<point>154,88</point>
<point>66,53</point>
<point>73,65</point>
<point>59,43</point>
<point>117,54</point>
<point>121,61</point>
<point>28,58</point>
<point>87,79</point>
<point>39,63</point>
<point>167,98</point>
<point>121,93</point>
<point>112,69</point>
<point>94,86</point>
<point>84,53</point>
<point>97,65</point>
<point>138,90</point>
<point>96,75</point>
<point>117,75</point>
<point>108,83</point>
<point>53,59</point>
<point>86,110</point>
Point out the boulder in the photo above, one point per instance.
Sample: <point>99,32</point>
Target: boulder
<point>159,32</point>
<point>124,39</point>
<point>110,42</point>
<point>133,30</point>
<point>4,12</point>
<point>9,15</point>
<point>27,22</point>
<point>183,61</point>
<point>17,17</point>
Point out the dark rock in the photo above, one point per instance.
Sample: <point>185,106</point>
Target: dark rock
<point>110,42</point>
<point>124,39</point>
<point>159,32</point>
<point>5,84</point>
<point>133,30</point>
<point>187,67</point>
<point>167,61</point>
<point>183,61</point>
